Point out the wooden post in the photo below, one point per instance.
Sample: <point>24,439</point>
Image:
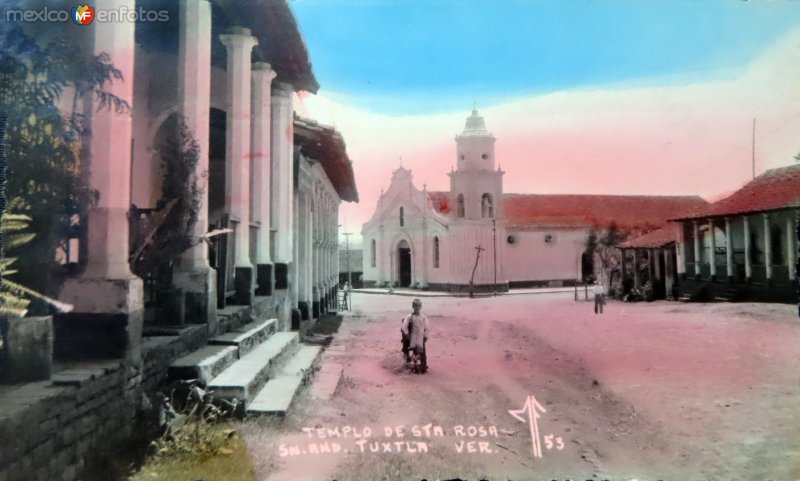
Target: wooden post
<point>472,277</point>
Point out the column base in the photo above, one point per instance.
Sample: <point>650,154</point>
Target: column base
<point>315,309</point>
<point>295,320</point>
<point>304,310</point>
<point>200,287</point>
<point>264,279</point>
<point>244,284</point>
<point>281,275</point>
<point>106,322</point>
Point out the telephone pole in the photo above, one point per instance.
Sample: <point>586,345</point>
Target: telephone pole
<point>347,250</point>
<point>472,278</point>
<point>494,251</point>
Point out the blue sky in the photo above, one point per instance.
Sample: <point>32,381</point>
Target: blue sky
<point>423,56</point>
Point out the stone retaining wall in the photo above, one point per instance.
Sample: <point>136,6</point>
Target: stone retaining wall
<point>83,420</point>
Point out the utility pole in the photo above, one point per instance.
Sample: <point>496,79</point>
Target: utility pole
<point>347,250</point>
<point>472,277</point>
<point>754,148</point>
<point>494,251</point>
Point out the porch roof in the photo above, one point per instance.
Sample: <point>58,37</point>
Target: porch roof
<point>775,189</point>
<point>325,145</point>
<point>280,42</point>
<point>655,239</point>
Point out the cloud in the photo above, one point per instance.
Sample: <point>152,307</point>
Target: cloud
<point>650,136</point>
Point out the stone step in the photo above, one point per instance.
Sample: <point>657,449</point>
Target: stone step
<point>245,377</point>
<point>247,337</point>
<point>205,363</point>
<point>278,393</point>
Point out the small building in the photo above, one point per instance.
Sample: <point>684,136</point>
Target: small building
<point>744,246</point>
<point>350,267</point>
<point>652,257</point>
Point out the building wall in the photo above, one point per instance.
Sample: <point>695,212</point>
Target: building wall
<point>531,258</point>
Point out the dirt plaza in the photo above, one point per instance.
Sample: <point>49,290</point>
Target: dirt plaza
<point>659,390</point>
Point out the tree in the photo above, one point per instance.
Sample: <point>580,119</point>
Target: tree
<point>45,146</point>
<point>181,196</point>
<point>602,247</point>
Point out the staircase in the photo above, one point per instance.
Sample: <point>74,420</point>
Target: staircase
<point>253,363</point>
<point>730,294</point>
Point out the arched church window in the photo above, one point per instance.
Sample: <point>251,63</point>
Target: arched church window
<point>402,217</point>
<point>487,207</point>
<point>372,258</point>
<point>460,206</point>
<point>436,252</point>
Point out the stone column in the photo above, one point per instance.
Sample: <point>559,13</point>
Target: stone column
<point>696,237</point>
<point>637,278</point>
<point>712,263</point>
<point>729,249</point>
<point>791,244</point>
<point>239,44</point>
<point>282,157</point>
<point>303,258</point>
<point>767,247</point>
<point>669,275</point>
<point>262,172</point>
<point>194,275</point>
<point>106,321</point>
<point>748,264</point>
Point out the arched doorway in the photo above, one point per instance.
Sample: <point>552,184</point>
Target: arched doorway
<point>403,264</point>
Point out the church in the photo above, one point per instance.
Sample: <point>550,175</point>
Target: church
<point>476,233</point>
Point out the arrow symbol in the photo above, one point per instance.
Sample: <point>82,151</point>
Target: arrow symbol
<point>530,413</point>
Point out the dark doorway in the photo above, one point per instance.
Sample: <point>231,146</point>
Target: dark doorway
<point>587,266</point>
<point>404,264</point>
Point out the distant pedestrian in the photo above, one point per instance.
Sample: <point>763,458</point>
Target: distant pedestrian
<point>599,297</point>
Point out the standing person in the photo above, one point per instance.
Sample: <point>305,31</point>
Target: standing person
<point>345,297</point>
<point>415,328</point>
<point>599,296</point>
<point>348,289</point>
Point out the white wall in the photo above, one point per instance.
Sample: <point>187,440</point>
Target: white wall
<point>531,258</point>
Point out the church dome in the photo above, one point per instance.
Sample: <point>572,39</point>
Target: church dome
<point>475,125</point>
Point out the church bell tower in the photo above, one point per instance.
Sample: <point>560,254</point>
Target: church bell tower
<point>476,187</point>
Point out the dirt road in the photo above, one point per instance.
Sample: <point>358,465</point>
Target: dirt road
<point>644,391</point>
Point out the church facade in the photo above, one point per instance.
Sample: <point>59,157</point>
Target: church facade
<point>476,233</point>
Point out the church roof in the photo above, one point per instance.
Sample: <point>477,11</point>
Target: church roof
<point>440,201</point>
<point>326,146</point>
<point>629,212</point>
<point>775,189</point>
<point>653,240</point>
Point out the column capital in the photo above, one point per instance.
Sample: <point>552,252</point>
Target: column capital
<point>282,89</point>
<point>238,37</point>
<point>263,70</point>
<point>765,215</point>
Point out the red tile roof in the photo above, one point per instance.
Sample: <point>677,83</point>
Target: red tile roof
<point>440,201</point>
<point>629,212</point>
<point>775,189</point>
<point>655,239</point>
<point>325,145</point>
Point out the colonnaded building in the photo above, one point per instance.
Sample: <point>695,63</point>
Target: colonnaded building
<point>423,239</point>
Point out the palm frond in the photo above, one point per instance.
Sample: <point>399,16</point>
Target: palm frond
<point>21,290</point>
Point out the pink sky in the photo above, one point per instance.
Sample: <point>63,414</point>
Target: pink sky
<point>650,137</point>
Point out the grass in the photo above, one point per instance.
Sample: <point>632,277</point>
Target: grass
<point>201,451</point>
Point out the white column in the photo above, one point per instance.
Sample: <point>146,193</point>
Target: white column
<point>282,170</point>
<point>748,265</point>
<point>194,94</point>
<point>791,243</point>
<point>696,235</point>
<point>767,246</point>
<point>712,249</point>
<point>108,286</point>
<point>728,247</point>
<point>307,257</point>
<point>261,145</point>
<point>239,44</point>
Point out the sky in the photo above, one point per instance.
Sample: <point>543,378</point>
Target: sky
<point>585,96</point>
